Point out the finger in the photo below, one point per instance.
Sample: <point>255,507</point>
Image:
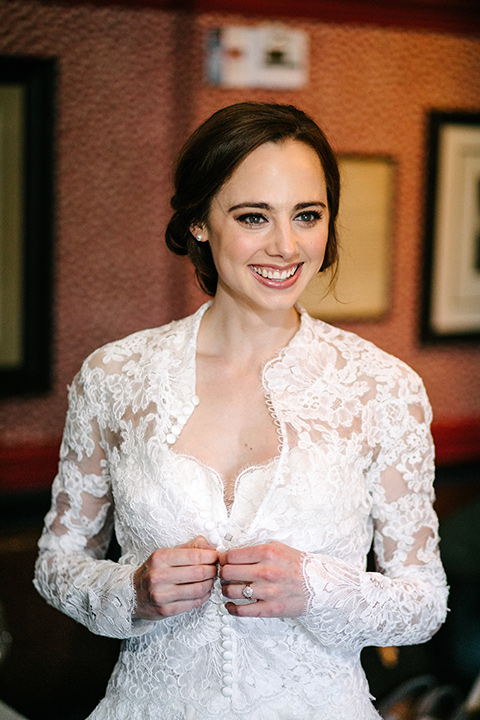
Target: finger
<point>193,591</point>
<point>241,573</point>
<point>241,556</point>
<point>176,607</point>
<point>252,609</point>
<point>194,556</point>
<point>179,556</point>
<point>261,608</point>
<point>158,602</point>
<point>198,542</point>
<point>161,596</point>
<point>182,574</point>
<point>252,554</point>
<point>235,591</point>
<point>167,578</point>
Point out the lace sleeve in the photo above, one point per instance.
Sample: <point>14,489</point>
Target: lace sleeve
<point>405,601</point>
<point>71,572</point>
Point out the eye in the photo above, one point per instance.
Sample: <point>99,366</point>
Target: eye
<point>309,217</point>
<point>252,219</point>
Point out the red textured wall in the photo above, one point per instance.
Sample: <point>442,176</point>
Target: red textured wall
<point>130,87</point>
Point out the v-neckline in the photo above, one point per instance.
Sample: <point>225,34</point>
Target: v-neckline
<point>228,503</point>
<point>283,440</point>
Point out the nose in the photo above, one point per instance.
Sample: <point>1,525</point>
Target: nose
<point>283,241</point>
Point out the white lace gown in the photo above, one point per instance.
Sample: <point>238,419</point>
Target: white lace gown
<point>355,464</point>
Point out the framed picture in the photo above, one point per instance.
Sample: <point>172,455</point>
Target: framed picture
<point>451,302</point>
<point>365,222</point>
<point>26,223</point>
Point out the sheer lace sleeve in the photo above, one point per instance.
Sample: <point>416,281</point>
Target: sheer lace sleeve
<point>71,572</point>
<point>405,601</point>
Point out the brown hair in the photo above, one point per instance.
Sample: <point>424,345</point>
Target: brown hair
<point>211,155</point>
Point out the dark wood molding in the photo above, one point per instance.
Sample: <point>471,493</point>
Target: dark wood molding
<point>32,467</point>
<point>28,467</point>
<point>452,16</point>
<point>457,441</point>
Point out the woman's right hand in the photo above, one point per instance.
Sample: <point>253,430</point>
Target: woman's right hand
<point>174,580</point>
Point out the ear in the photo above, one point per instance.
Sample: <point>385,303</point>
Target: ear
<point>198,232</point>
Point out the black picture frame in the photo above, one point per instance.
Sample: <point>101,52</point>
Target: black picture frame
<point>451,286</point>
<point>27,100</point>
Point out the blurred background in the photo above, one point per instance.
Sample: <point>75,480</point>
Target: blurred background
<point>130,81</point>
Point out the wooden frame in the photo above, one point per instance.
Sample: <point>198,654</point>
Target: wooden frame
<point>26,223</point>
<point>451,299</point>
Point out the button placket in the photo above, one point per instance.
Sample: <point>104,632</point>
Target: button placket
<point>182,418</point>
<point>210,528</point>
<point>227,642</point>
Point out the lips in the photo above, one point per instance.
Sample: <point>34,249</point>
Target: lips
<point>276,276</point>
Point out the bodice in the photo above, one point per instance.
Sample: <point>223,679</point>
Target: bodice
<point>355,466</point>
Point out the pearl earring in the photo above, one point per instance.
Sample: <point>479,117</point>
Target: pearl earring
<point>199,237</point>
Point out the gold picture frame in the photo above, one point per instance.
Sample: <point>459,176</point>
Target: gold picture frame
<point>365,225</point>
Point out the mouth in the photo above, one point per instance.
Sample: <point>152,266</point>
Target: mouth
<point>276,277</point>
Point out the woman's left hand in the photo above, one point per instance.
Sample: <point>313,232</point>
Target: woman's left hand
<point>274,573</point>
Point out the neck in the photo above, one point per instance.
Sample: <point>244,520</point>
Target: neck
<point>242,334</point>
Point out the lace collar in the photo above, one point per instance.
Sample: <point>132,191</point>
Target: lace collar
<point>184,338</point>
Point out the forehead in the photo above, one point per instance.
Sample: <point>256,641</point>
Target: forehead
<point>289,167</point>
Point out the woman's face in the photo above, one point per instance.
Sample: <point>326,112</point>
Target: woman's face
<point>268,226</point>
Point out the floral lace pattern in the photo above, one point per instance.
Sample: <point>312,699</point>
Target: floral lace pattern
<point>355,466</point>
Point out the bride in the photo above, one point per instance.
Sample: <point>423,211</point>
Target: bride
<point>246,457</point>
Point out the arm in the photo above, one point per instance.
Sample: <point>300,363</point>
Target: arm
<point>343,605</point>
<point>113,599</point>
<point>71,572</point>
<point>405,601</point>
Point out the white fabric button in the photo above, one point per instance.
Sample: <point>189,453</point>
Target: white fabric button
<point>209,525</point>
<point>227,645</point>
<point>227,655</point>
<point>225,618</point>
<point>226,632</point>
<point>221,548</point>
<point>227,691</point>
<point>195,400</point>
<point>228,679</point>
<point>171,438</point>
<point>176,429</point>
<point>227,667</point>
<point>223,610</point>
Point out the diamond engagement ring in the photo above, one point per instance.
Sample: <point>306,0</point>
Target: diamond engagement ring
<point>247,592</point>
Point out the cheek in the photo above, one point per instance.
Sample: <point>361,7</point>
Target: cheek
<point>319,244</point>
<point>225,255</point>
<point>233,248</point>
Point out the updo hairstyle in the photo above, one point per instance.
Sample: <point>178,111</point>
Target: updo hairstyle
<point>211,155</point>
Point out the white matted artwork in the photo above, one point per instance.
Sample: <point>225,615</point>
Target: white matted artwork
<point>365,221</point>
<point>452,300</point>
<point>270,55</point>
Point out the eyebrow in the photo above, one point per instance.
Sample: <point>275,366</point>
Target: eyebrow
<point>266,206</point>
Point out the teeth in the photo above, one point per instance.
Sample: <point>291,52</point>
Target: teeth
<point>275,274</point>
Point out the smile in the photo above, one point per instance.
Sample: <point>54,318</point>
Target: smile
<point>278,275</point>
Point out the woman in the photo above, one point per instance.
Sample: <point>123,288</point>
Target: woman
<point>246,455</point>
